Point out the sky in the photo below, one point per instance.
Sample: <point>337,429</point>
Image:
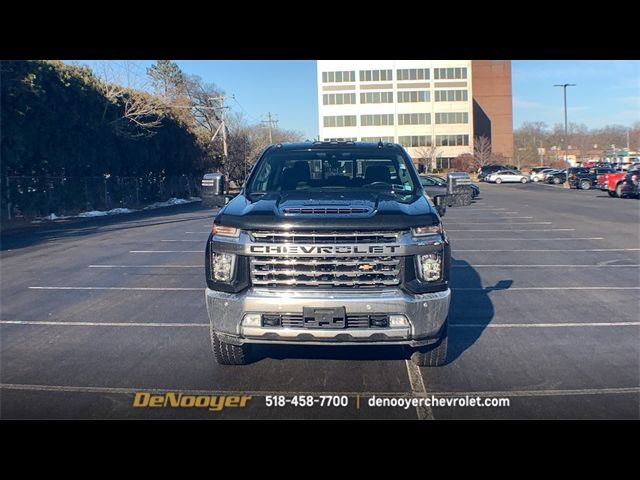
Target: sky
<point>607,91</point>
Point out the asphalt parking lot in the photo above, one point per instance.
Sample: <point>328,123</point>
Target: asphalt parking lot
<point>545,312</point>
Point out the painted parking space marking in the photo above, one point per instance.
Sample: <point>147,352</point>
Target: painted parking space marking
<point>544,266</point>
<point>145,266</point>
<point>142,289</point>
<point>536,239</point>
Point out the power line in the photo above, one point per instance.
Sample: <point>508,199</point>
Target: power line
<point>251,117</point>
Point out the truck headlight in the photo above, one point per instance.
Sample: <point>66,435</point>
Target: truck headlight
<point>429,267</point>
<point>222,266</point>
<point>225,231</point>
<point>426,230</point>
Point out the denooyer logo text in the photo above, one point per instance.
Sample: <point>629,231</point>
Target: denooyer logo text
<point>214,403</point>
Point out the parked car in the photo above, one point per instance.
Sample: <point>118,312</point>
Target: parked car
<point>584,179</point>
<point>505,176</point>
<point>558,177</point>
<point>488,169</point>
<point>629,188</point>
<point>437,178</point>
<point>536,174</point>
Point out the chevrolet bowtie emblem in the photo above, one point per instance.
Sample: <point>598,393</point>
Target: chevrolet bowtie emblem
<point>365,267</point>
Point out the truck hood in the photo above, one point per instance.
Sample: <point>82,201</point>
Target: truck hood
<point>278,211</point>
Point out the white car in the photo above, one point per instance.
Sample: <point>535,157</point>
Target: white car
<point>507,176</point>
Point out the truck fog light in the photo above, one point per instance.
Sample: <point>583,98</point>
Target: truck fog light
<point>398,321</point>
<point>222,266</point>
<point>252,320</point>
<point>429,267</point>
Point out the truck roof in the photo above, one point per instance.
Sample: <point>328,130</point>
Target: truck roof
<point>337,145</point>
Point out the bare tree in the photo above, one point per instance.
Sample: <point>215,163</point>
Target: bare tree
<point>427,156</point>
<point>481,151</point>
<point>138,113</point>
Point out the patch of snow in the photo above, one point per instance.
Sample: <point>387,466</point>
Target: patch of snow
<point>172,201</point>
<point>117,211</point>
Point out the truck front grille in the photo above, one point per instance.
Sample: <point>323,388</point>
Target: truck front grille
<point>357,320</point>
<point>312,237</point>
<point>349,272</point>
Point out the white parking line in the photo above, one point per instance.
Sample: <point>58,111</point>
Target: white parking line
<point>206,325</point>
<point>142,289</point>
<point>510,217</point>
<point>101,324</point>
<point>259,393</point>
<point>544,266</point>
<point>546,325</point>
<point>543,393</point>
<point>559,238</point>
<point>556,250</point>
<point>498,223</point>
<point>145,266</point>
<point>418,389</point>
<point>555,289</point>
<point>515,230</point>
<point>166,251</point>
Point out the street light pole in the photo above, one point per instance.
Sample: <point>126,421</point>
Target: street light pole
<point>566,155</point>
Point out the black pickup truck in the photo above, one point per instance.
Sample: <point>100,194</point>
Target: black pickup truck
<point>586,178</point>
<point>329,243</point>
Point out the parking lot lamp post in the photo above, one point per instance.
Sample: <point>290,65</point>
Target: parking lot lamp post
<point>566,154</point>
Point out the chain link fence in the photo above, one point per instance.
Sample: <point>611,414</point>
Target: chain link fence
<point>40,196</point>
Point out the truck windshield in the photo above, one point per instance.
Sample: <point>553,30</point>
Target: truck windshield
<point>326,170</point>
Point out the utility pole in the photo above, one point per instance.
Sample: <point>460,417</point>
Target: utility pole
<point>566,155</point>
<point>270,121</point>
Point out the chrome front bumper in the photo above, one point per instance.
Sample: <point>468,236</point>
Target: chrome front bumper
<point>426,314</point>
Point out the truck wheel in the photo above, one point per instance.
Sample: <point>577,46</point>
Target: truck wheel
<point>585,185</point>
<point>619,190</point>
<point>228,354</point>
<point>556,180</point>
<point>612,194</point>
<point>433,355</point>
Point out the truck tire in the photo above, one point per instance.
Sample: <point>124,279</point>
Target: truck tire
<point>228,354</point>
<point>585,185</point>
<point>433,355</point>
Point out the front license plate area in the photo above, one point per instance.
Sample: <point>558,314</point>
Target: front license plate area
<point>324,317</point>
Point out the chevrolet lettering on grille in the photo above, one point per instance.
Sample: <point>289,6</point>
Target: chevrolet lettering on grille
<point>324,249</point>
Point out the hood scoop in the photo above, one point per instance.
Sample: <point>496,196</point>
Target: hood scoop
<point>318,210</point>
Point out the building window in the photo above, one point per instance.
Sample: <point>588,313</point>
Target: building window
<point>376,97</point>
<point>450,73</point>
<point>338,98</point>
<point>414,140</point>
<point>339,121</point>
<point>405,74</point>
<point>451,96</point>
<point>414,96</point>
<point>452,140</point>
<point>377,139</point>
<point>339,77</point>
<point>346,139</point>
<point>414,118</point>
<point>376,120</point>
<point>452,117</point>
<point>376,75</point>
